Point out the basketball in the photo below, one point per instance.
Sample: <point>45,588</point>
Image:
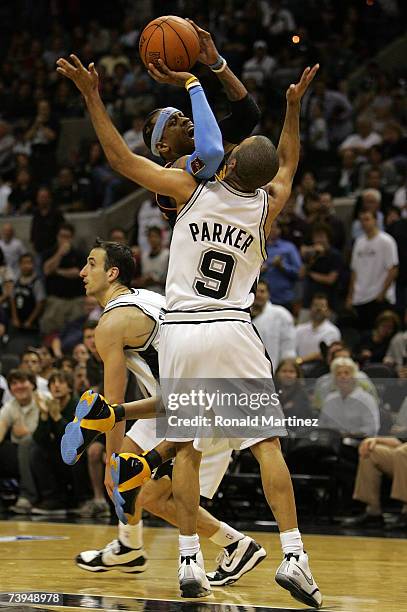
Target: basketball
<point>171,39</point>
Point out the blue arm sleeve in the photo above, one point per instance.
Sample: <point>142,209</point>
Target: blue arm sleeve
<point>208,154</point>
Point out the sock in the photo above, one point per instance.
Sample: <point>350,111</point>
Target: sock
<point>291,542</point>
<point>131,535</point>
<point>153,459</point>
<point>189,545</point>
<point>226,535</point>
<point>373,510</point>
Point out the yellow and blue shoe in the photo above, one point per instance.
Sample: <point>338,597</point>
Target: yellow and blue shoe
<point>93,417</point>
<point>129,473</point>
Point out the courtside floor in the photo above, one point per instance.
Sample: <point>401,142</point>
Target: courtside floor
<point>355,574</point>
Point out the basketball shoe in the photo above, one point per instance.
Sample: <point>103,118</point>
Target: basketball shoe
<point>235,560</point>
<point>93,416</point>
<point>114,556</point>
<point>129,472</point>
<point>192,578</point>
<point>295,575</point>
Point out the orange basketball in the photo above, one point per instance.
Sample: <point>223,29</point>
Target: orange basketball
<point>171,39</point>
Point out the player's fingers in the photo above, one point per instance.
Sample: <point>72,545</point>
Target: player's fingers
<point>313,72</point>
<point>62,71</point>
<point>155,73</point>
<point>76,61</point>
<point>63,63</point>
<point>164,68</point>
<point>193,24</point>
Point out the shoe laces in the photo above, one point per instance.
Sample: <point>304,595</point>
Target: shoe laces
<point>113,547</point>
<point>222,556</point>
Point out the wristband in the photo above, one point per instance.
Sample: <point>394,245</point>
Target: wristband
<point>219,65</point>
<point>191,82</point>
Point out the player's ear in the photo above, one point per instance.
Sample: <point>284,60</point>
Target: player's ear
<point>113,274</point>
<point>162,148</point>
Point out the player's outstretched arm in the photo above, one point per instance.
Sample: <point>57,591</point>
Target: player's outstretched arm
<point>175,183</point>
<point>288,147</point>
<point>245,114</point>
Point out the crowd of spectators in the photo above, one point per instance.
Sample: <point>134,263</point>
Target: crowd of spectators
<point>332,301</point>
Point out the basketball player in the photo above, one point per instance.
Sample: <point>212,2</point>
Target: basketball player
<point>127,338</point>
<point>187,337</point>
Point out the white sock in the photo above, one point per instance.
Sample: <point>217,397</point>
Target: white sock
<point>226,535</point>
<point>189,545</point>
<point>131,535</point>
<point>291,542</point>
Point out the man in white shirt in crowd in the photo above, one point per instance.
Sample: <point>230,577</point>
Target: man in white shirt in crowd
<point>275,326</point>
<point>374,267</point>
<point>31,362</point>
<point>149,215</point>
<point>134,137</point>
<point>19,416</point>
<point>318,329</point>
<point>260,66</point>
<point>350,409</point>
<point>362,140</point>
<point>12,248</point>
<point>154,262</point>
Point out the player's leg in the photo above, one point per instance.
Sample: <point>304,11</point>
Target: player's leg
<point>294,573</point>
<point>185,487</point>
<point>126,552</point>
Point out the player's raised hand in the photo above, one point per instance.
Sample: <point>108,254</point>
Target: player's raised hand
<point>296,92</point>
<point>209,53</point>
<point>87,81</point>
<point>162,74</point>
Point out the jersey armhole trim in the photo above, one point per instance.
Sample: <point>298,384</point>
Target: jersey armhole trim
<point>153,332</point>
<point>262,232</point>
<point>191,201</point>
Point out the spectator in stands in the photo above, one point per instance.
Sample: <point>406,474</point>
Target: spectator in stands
<point>336,108</point>
<point>398,230</point>
<point>31,363</point>
<point>377,457</point>
<point>397,352</point>
<point>12,248</point>
<point>154,263</point>
<point>50,473</point>
<point>281,20</point>
<point>5,191</point>
<point>362,140</point>
<point>114,56</point>
<point>80,353</point>
<point>5,394</point>
<point>72,333</point>
<point>64,286</point>
<point>282,267</point>
<point>94,365</point>
<point>349,409</point>
<point>98,37</point>
<point>394,145</point>
<point>27,304</point>
<point>325,384</point>
<point>386,169</point>
<point>375,343</point>
<point>323,267</point>
<point>43,135</point>
<point>274,324</point>
<point>346,180</point>
<point>148,215</point>
<point>47,361</point>
<point>67,192</point>
<point>319,329</point>
<point>292,394</point>
<point>22,197</point>
<point>6,287</point>
<point>327,214</point>
<point>293,228</point>
<point>45,222</point>
<point>6,150</point>
<point>81,383</point>
<point>134,137</point>
<point>374,268</point>
<point>259,67</point>
<point>19,417</point>
<point>117,234</point>
<point>371,200</point>
<point>306,186</point>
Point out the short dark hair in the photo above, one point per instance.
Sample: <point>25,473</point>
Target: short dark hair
<point>118,256</point>
<point>256,162</point>
<point>154,229</point>
<point>90,325</point>
<point>20,376</point>
<point>320,296</point>
<point>148,127</point>
<point>29,351</point>
<point>67,226</point>
<point>24,255</point>
<point>322,228</point>
<point>62,376</point>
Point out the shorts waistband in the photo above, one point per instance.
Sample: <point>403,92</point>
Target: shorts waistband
<point>207,316</point>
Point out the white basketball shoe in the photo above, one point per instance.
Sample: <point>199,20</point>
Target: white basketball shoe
<point>295,575</point>
<point>192,577</point>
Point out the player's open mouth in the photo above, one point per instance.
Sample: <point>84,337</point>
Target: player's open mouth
<point>190,131</point>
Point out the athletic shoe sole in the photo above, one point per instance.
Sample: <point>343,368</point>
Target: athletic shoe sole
<point>72,439</point>
<point>297,591</point>
<point>103,568</point>
<point>193,589</point>
<point>254,560</point>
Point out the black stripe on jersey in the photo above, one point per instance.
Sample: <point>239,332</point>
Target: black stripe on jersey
<point>150,356</point>
<point>265,350</point>
<point>263,238</point>
<point>191,201</point>
<point>242,194</point>
<point>154,331</point>
<point>199,322</point>
<point>210,310</point>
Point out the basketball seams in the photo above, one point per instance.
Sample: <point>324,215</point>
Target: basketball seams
<point>183,44</point>
<point>147,43</point>
<point>186,26</point>
<point>164,52</point>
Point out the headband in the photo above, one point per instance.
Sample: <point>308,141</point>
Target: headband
<point>159,126</point>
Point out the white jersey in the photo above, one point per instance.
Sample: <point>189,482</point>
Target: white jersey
<point>143,361</point>
<point>217,248</point>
